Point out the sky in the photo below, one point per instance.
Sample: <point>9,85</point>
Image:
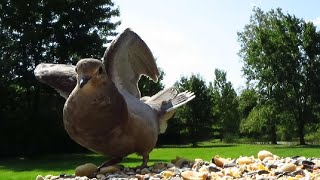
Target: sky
<point>196,37</point>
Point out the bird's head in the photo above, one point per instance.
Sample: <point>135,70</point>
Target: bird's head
<point>91,72</point>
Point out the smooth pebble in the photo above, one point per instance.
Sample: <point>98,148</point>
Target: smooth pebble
<point>109,169</point>
<point>86,170</point>
<point>263,154</point>
<point>39,177</point>
<point>192,175</point>
<point>290,167</point>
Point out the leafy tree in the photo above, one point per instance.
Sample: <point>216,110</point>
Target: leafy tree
<point>285,129</point>
<point>226,105</point>
<point>281,56</point>
<point>36,31</point>
<point>195,118</point>
<point>248,99</point>
<point>256,122</point>
<point>148,87</point>
<point>261,121</point>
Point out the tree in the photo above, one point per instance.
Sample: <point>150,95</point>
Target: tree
<point>43,31</point>
<point>150,88</point>
<point>261,121</point>
<point>195,117</point>
<point>226,105</point>
<point>281,56</point>
<point>248,99</point>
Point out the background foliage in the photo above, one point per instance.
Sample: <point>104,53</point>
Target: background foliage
<point>280,55</point>
<point>44,31</point>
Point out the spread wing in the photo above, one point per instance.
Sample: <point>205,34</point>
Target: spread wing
<point>127,58</point>
<point>62,77</point>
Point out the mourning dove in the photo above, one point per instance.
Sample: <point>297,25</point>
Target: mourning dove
<point>105,112</point>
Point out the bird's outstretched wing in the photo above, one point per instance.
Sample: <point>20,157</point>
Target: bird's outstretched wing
<point>127,58</point>
<point>62,77</point>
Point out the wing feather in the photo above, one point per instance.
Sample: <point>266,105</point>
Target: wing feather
<point>62,77</point>
<point>127,58</point>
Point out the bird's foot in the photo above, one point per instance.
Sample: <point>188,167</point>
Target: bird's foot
<point>110,162</point>
<point>144,163</point>
<point>140,167</point>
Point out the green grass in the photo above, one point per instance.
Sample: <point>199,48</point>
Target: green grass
<point>29,168</point>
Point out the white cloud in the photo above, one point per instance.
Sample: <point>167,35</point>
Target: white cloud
<point>316,21</point>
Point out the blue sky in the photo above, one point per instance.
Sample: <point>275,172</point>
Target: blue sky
<point>195,37</point>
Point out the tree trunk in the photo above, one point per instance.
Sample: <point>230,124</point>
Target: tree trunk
<point>273,134</point>
<point>301,130</point>
<point>221,134</point>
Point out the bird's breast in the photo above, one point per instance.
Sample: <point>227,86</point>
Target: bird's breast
<point>92,119</point>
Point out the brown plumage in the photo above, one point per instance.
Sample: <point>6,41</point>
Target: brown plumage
<point>105,112</point>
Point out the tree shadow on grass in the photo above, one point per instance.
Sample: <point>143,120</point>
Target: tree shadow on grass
<point>309,146</point>
<point>198,146</point>
<point>62,163</point>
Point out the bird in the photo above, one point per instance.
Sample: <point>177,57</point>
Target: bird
<point>104,111</point>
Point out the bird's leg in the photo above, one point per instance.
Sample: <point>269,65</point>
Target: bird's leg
<point>112,161</point>
<point>144,162</point>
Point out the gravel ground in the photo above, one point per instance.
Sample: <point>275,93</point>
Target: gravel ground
<point>265,166</point>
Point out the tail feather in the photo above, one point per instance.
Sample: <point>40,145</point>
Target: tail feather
<point>168,107</point>
<point>164,95</point>
<point>179,100</point>
<point>165,102</point>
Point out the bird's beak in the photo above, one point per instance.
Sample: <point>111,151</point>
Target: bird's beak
<point>84,80</point>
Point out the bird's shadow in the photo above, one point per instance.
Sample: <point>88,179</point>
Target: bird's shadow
<point>67,162</point>
<point>63,162</point>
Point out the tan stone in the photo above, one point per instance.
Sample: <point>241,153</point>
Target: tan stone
<point>48,176</point>
<point>86,170</point>
<point>244,160</point>
<point>219,161</point>
<point>203,170</point>
<point>289,167</point>
<point>192,175</point>
<point>180,162</point>
<point>39,177</point>
<point>263,154</point>
<point>109,169</point>
<point>167,174</point>
<point>100,176</point>
<point>269,158</point>
<point>145,171</point>
<point>159,165</point>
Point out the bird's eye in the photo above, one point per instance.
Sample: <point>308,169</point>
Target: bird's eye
<point>76,69</point>
<point>100,70</point>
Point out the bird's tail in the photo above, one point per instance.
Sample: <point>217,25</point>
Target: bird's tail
<point>178,101</point>
<point>164,95</point>
<point>170,100</point>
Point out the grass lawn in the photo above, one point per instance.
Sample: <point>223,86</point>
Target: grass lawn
<point>29,168</point>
